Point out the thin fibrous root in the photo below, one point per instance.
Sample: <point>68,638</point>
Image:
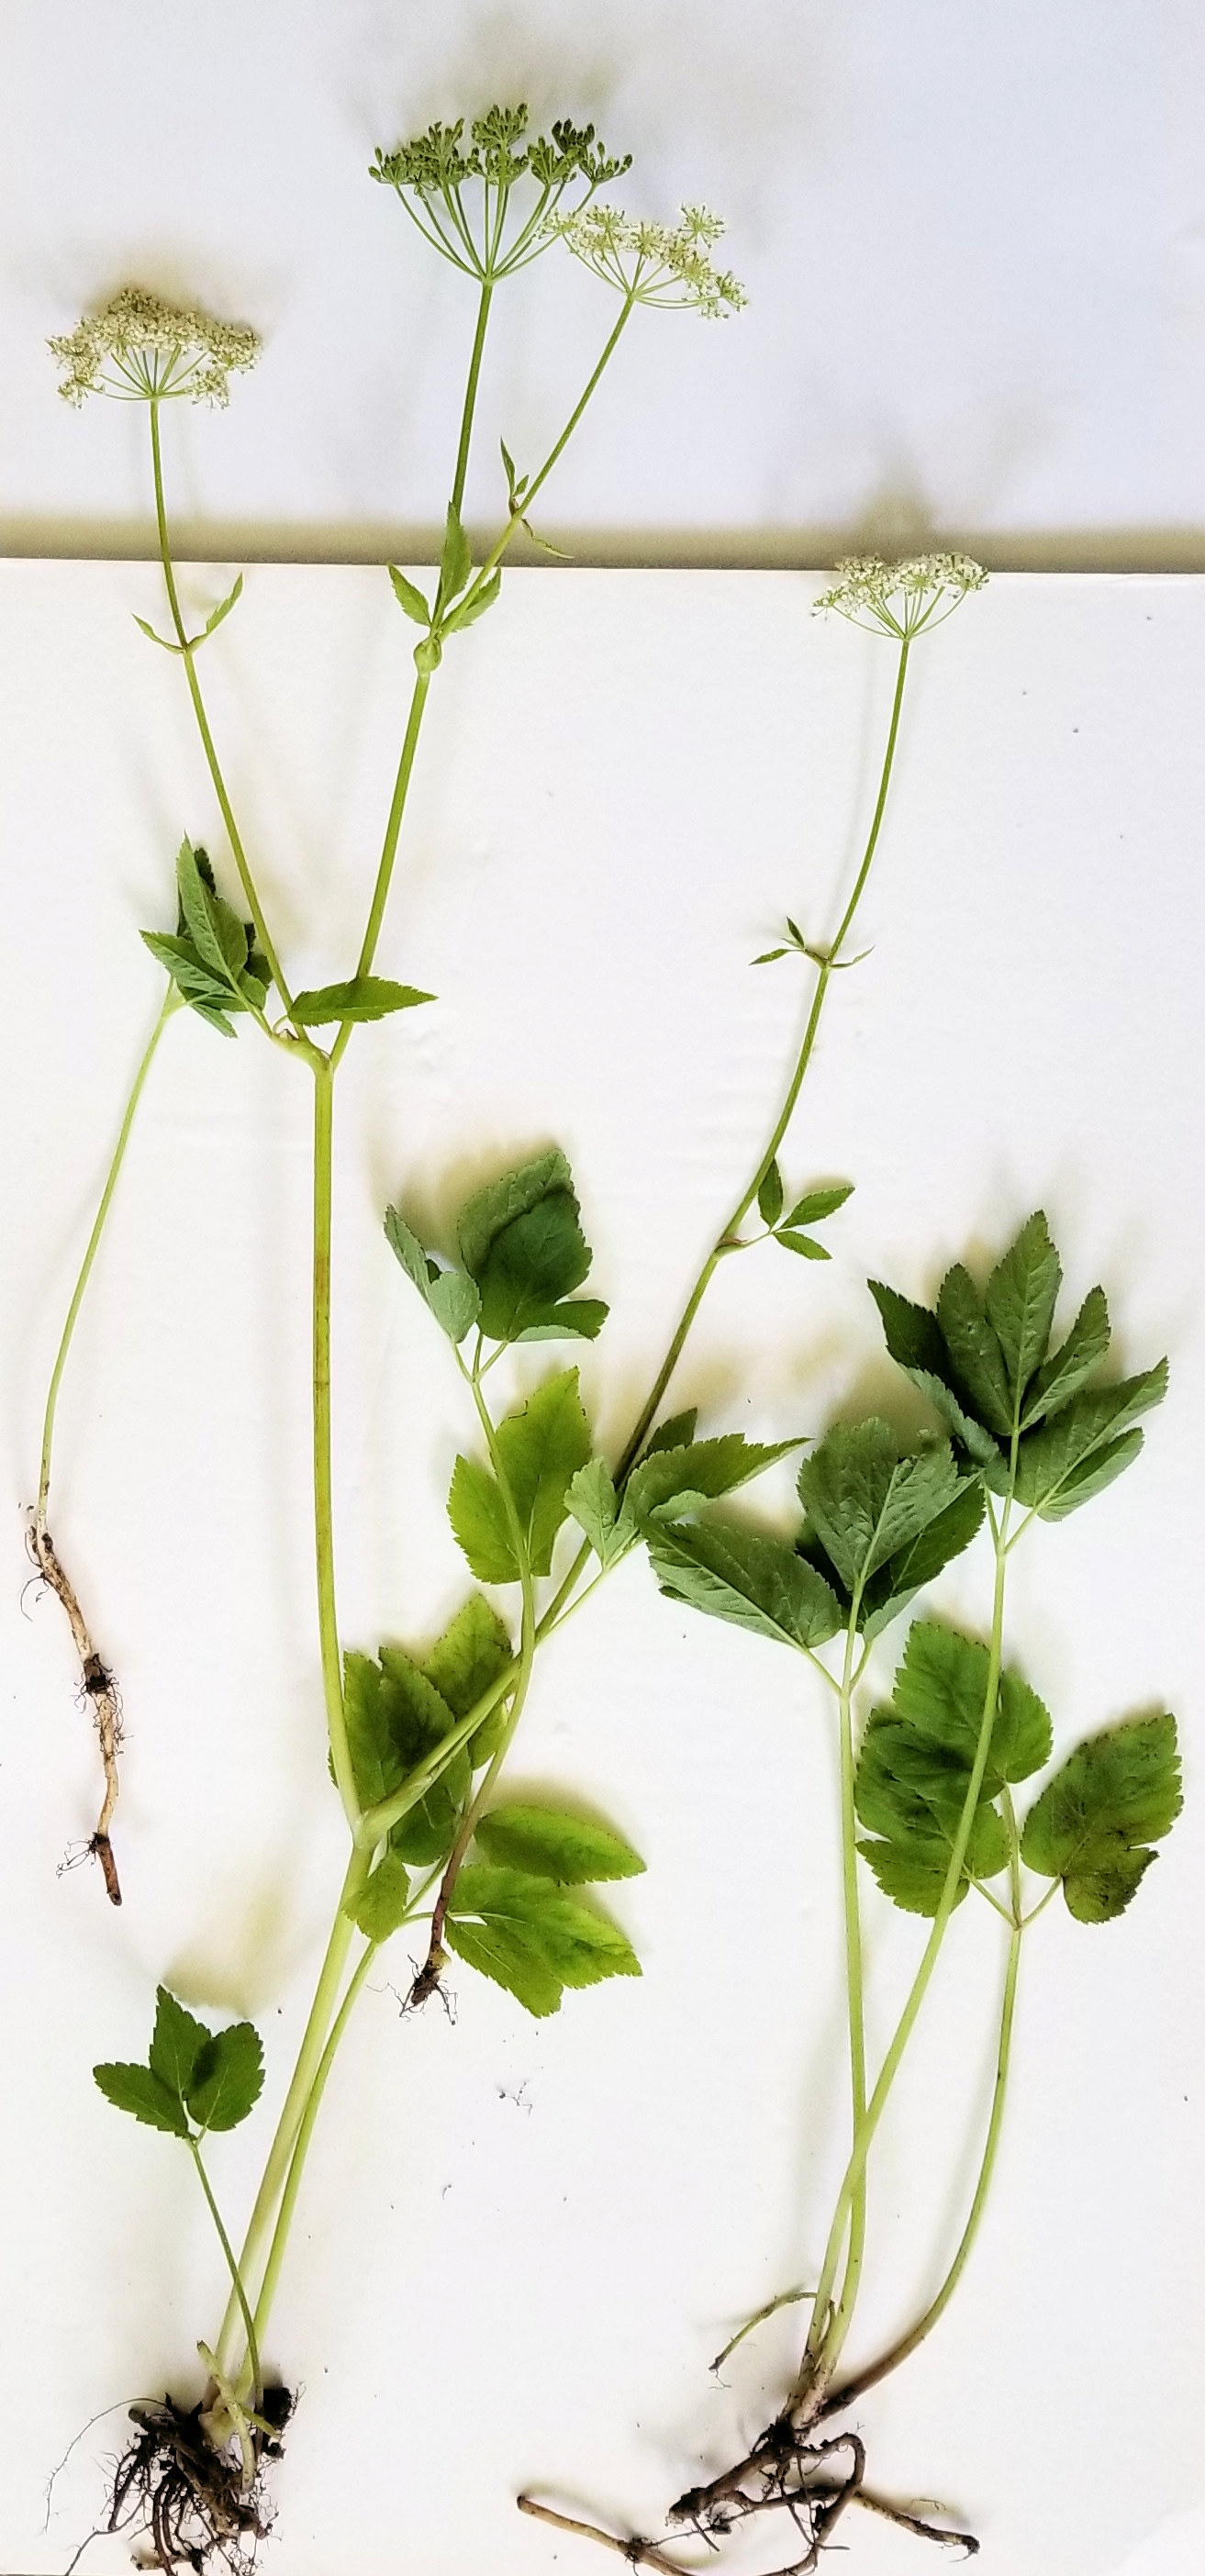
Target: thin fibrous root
<point>193,2504</point>
<point>100,1689</point>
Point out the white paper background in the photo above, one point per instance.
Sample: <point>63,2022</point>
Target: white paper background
<point>521,2244</point>
<point>974,241</point>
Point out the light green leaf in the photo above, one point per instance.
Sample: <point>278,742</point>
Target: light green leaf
<point>176,2045</point>
<point>409,597</point>
<point>418,1718</point>
<point>228,2077</point>
<point>157,639</point>
<point>803,1243</point>
<point>708,1468</point>
<point>216,615</point>
<point>815,1205</point>
<point>745,1577</point>
<point>527,1920</point>
<point>1094,1822</point>
<point>1064,1462</point>
<point>770,1196</point>
<point>377,1768</point>
<point>541,1449</point>
<point>475,606</point>
<point>456,561</point>
<point>136,2090</point>
<point>865,1502</point>
<point>511,1955</point>
<point>976,1358</point>
<point>481,1523</point>
<point>591,1500</point>
<point>452,1298</point>
<point>200,989</point>
<point>1087,1344</point>
<point>469,1656</point>
<point>381,1906</point>
<point>362,997</point>
<point>550,1843</point>
<point>578,1319</point>
<point>677,1433</point>
<point>1020,1299</point>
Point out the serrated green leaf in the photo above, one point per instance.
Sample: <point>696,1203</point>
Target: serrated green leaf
<point>481,1523</point>
<point>228,2078</point>
<point>579,1319</point>
<point>475,606</point>
<point>222,611</point>
<point>495,1206</point>
<point>217,934</point>
<point>409,597</point>
<point>541,1449</point>
<point>471,1653</point>
<point>592,1502</point>
<point>921,1561</point>
<point>456,561</point>
<point>914,1341</point>
<point>362,997</point>
<point>530,1917</point>
<point>1093,1823</point>
<point>866,1502</point>
<point>1019,1302</point>
<point>531,1266</point>
<point>708,1468</point>
<point>381,1906</point>
<point>815,1205</point>
<point>913,1874</point>
<point>677,1433</point>
<point>453,1299</point>
<point>176,2044</point>
<point>940,1690</point>
<point>377,1768</point>
<point>511,1956</point>
<point>418,1718</point>
<point>144,2095</point>
<point>770,1196</point>
<point>975,1357</point>
<point>1063,1375</point>
<point>550,1843</point>
<point>157,639</point>
<point>200,989</point>
<point>751,1580</point>
<point>802,1243</point>
<point>1064,1462</point>
<point>912,1791</point>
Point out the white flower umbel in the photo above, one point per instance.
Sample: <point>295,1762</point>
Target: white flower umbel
<point>900,599</point>
<point>654,263</point>
<point>140,349</point>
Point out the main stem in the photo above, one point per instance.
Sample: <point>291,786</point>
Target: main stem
<point>853,1969</point>
<point>257,2379</point>
<point>324,1534</point>
<point>171,1004</point>
<point>187,650</point>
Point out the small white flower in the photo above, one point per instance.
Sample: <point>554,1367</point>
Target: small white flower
<point>139,348</point>
<point>654,263</point>
<point>900,599</point>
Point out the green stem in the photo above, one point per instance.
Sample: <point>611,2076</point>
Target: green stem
<point>171,1004</point>
<point>305,2131</point>
<point>519,513</point>
<point>744,1203</point>
<point>324,1536</point>
<point>470,397</point>
<point>187,650</point>
<point>828,2335</point>
<point>257,2381</point>
<point>853,1972</point>
<point>308,2061</point>
<point>889,2361</point>
<point>393,829</point>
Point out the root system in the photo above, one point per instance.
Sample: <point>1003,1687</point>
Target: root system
<point>192,2504</point>
<point>101,1691</point>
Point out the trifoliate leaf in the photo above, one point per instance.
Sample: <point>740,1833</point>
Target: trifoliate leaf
<point>217,934</point>
<point>456,561</point>
<point>362,997</point>
<point>815,1205</point>
<point>940,1691</point>
<point>176,2045</point>
<point>1062,1376</point>
<point>1019,1302</point>
<point>865,1502</point>
<point>770,1196</point>
<point>521,1931</point>
<point>452,1298</point>
<point>591,1501</point>
<point>541,1449</point>
<point>976,1358</point>
<point>743,1576</point>
<point>145,2096</point>
<point>1067,1460</point>
<point>409,597</point>
<point>552,1844</point>
<point>677,1433</point>
<point>1094,1822</point>
<point>914,1340</point>
<point>382,1905</point>
<point>228,2077</point>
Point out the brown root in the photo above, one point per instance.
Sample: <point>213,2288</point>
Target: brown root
<point>99,1688</point>
<point>192,2505</point>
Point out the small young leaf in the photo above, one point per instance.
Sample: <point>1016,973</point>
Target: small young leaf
<point>768,956</point>
<point>803,1243</point>
<point>1020,1300</point>
<point>677,1433</point>
<point>362,997</point>
<point>817,1204</point>
<point>453,1299</point>
<point>149,631</point>
<point>456,561</point>
<point>591,1501</point>
<point>770,1196</point>
<point>228,2077</point>
<point>541,1448</point>
<point>1094,1822</point>
<point>408,597</point>
<point>552,1844</point>
<point>145,2096</point>
<point>516,485</point>
<point>473,608</point>
<point>382,1905</point>
<point>216,615</point>
<point>1062,1376</point>
<point>201,990</point>
<point>975,1354</point>
<point>176,2045</point>
<point>745,1577</point>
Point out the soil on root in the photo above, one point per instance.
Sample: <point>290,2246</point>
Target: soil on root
<point>191,2506</point>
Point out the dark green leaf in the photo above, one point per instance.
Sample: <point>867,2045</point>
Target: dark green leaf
<point>803,1243</point>
<point>677,1433</point>
<point>976,1358</point>
<point>865,1502</point>
<point>409,597</point>
<point>940,1691</point>
<point>921,1561</point>
<point>770,1196</point>
<point>913,1874</point>
<point>145,2096</point>
<point>707,1468</point>
<point>381,1906</point>
<point>1063,1463</point>
<point>200,989</point>
<point>1093,1823</point>
<point>745,1577</point>
<point>913,1791</point>
<point>362,997</point>
<point>497,1205</point>
<point>1020,1299</point>
<point>552,1844</point>
<point>579,1319</point>
<point>228,2078</point>
<point>176,2045</point>
<point>531,1265</point>
<point>418,1718</point>
<point>915,1343</point>
<point>815,1205</point>
<point>1063,1375</point>
<point>768,955</point>
<point>217,934</point>
<point>456,561</point>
